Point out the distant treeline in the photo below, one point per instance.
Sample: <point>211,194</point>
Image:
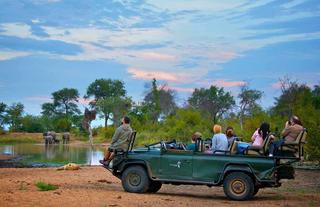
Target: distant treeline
<point>158,116</point>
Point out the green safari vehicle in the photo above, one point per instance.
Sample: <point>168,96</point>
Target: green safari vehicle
<point>146,169</point>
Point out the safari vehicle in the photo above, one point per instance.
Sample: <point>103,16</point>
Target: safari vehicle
<point>146,169</point>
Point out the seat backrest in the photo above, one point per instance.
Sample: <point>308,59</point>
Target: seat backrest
<point>303,136</point>
<point>131,140</point>
<point>233,147</point>
<point>266,142</point>
<point>299,137</point>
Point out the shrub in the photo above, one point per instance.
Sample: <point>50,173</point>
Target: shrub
<point>42,186</point>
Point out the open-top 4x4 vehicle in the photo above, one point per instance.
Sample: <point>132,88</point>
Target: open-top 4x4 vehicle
<point>241,175</point>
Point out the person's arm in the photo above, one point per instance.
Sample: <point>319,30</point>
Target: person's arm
<point>286,131</point>
<point>254,136</point>
<point>214,143</point>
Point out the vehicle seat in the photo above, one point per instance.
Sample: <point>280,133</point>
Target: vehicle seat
<point>233,147</point>
<point>295,147</point>
<point>131,140</point>
<point>260,150</point>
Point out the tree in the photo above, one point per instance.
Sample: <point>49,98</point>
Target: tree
<point>31,124</point>
<point>159,101</point>
<point>212,102</point>
<point>316,96</point>
<point>293,97</point>
<point>48,109</point>
<point>65,100</point>
<point>248,101</point>
<point>299,99</point>
<point>108,90</point>
<point>118,106</point>
<point>3,107</point>
<point>14,116</point>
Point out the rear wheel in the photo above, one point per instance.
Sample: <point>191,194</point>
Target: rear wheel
<point>154,186</point>
<point>135,180</point>
<point>238,186</point>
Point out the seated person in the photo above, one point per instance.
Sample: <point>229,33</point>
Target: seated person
<point>230,135</point>
<point>257,138</point>
<point>120,141</point>
<point>195,136</point>
<point>292,129</point>
<point>260,134</point>
<point>219,140</point>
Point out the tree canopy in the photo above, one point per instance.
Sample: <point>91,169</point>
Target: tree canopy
<point>212,102</point>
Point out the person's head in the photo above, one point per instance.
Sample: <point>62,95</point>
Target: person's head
<point>217,129</point>
<point>229,132</point>
<point>195,136</point>
<point>125,120</point>
<point>264,129</point>
<point>295,120</point>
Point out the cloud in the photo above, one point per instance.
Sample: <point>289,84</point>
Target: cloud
<point>276,85</point>
<point>200,34</point>
<point>293,3</point>
<point>7,55</point>
<point>149,75</point>
<point>20,30</point>
<point>156,56</point>
<point>84,101</point>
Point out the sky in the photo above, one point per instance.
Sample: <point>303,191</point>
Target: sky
<point>46,45</point>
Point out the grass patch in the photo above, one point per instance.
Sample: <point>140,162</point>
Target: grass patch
<point>13,140</point>
<point>42,186</point>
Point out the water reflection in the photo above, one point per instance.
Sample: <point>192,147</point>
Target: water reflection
<point>54,155</point>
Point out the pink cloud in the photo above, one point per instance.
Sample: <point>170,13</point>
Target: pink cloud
<point>149,75</point>
<point>156,56</point>
<point>84,101</point>
<point>276,85</point>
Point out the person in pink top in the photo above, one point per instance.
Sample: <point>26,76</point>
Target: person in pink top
<point>260,134</point>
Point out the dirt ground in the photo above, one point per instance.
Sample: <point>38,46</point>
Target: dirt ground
<point>95,186</point>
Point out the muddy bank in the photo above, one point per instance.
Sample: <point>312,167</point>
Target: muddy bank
<point>94,186</point>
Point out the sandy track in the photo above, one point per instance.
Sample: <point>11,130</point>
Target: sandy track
<point>95,186</point>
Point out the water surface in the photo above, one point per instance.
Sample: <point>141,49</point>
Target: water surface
<point>53,155</point>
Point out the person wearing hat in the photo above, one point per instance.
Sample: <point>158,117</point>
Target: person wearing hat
<point>292,129</point>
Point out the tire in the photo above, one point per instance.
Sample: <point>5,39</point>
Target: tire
<point>154,186</point>
<point>238,186</point>
<point>135,179</point>
<point>256,190</point>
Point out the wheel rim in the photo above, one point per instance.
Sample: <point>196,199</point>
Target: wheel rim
<point>238,187</point>
<point>134,179</point>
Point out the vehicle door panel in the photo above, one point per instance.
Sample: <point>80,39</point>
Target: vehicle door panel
<point>208,167</point>
<point>176,165</point>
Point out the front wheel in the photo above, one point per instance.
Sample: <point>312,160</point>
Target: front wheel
<point>135,180</point>
<point>238,186</point>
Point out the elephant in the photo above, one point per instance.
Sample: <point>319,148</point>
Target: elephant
<point>66,137</point>
<point>50,137</point>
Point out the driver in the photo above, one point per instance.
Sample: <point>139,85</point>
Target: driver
<point>120,141</point>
